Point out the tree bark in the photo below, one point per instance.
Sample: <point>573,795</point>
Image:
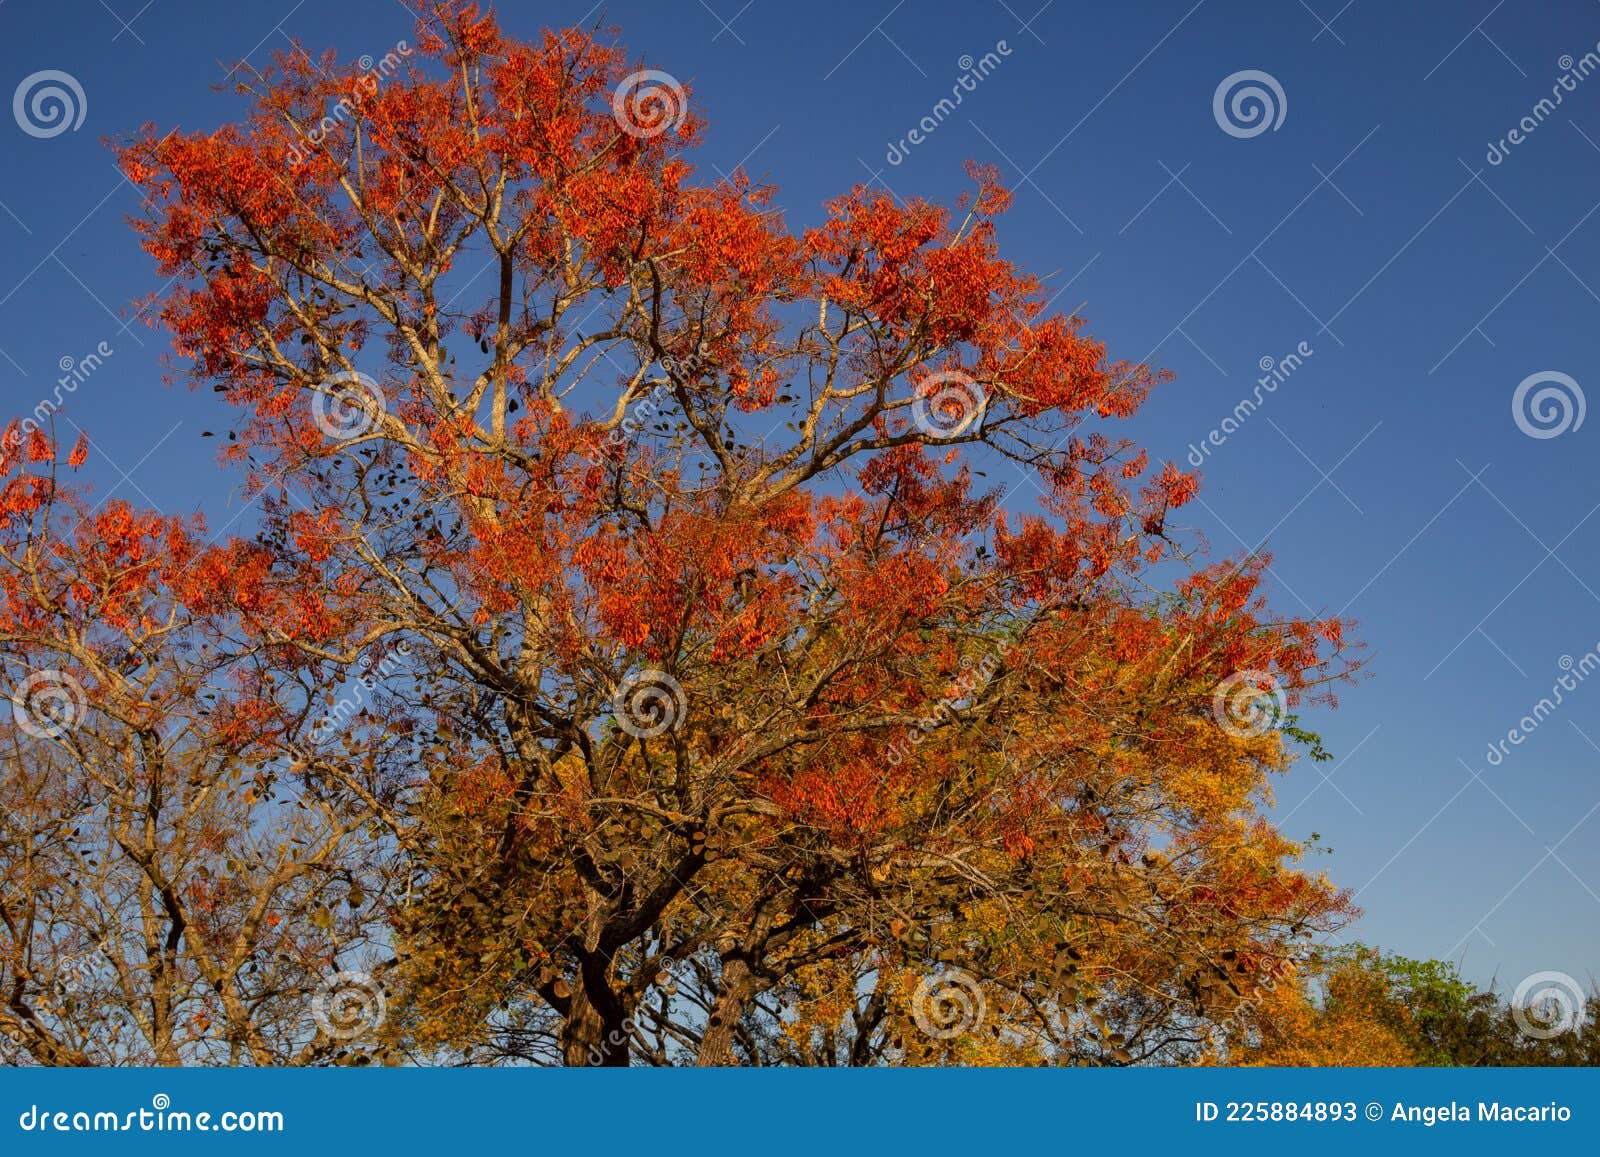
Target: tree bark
<point>597,1031</point>
<point>716,1043</point>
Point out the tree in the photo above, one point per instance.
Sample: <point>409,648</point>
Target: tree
<point>724,712</point>
<point>1337,1010</point>
<point>1369,1003</point>
<point>167,895</point>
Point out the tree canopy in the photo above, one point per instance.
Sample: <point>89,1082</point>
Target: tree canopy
<point>631,660</point>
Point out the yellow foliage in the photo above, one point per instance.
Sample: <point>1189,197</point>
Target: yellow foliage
<point>1346,1027</point>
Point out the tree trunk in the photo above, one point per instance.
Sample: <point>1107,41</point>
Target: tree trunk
<point>597,1031</point>
<point>716,1043</point>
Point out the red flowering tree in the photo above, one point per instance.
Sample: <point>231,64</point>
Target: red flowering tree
<point>710,703</point>
<point>168,894</point>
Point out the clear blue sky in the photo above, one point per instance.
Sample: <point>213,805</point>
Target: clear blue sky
<point>1387,471</point>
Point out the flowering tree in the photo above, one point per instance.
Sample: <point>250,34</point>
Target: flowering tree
<point>168,894</point>
<point>723,712</point>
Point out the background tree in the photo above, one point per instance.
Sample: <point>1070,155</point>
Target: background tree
<point>1334,1011</point>
<point>167,894</point>
<point>1364,1004</point>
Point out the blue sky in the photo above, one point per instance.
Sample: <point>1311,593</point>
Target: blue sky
<point>1388,472</point>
